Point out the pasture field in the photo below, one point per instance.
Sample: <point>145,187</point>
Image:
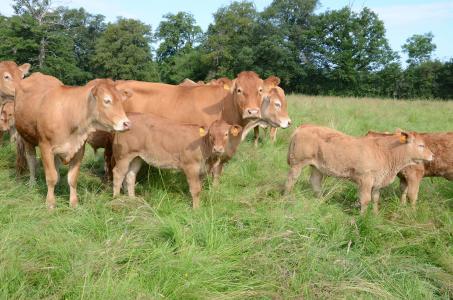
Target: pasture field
<point>247,241</point>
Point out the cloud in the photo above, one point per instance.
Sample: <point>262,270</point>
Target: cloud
<point>410,14</point>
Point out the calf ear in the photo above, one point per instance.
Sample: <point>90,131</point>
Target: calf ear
<point>126,94</point>
<point>202,131</point>
<point>226,83</point>
<point>25,68</point>
<point>406,138</point>
<point>272,82</point>
<point>235,130</point>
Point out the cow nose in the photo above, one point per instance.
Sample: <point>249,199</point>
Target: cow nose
<point>127,125</point>
<point>218,149</point>
<point>289,122</point>
<point>253,112</point>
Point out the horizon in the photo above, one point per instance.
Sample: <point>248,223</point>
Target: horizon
<point>419,17</point>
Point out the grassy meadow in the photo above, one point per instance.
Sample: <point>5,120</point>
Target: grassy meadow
<point>247,241</point>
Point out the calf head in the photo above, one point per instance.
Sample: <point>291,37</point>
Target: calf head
<point>11,74</point>
<point>224,138</point>
<point>7,116</point>
<point>274,109</point>
<point>415,148</point>
<point>109,105</point>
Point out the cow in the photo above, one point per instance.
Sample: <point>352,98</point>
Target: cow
<point>7,120</point>
<point>169,145</point>
<point>278,95</point>
<point>441,144</point>
<point>103,140</point>
<point>11,74</point>
<point>371,162</point>
<point>59,121</point>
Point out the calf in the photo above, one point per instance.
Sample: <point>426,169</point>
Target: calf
<point>59,120</point>
<point>7,120</point>
<point>371,162</point>
<point>168,145</point>
<point>441,144</point>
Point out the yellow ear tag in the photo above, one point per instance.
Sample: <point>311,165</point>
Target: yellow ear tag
<point>226,87</point>
<point>403,139</point>
<point>202,132</point>
<point>234,131</point>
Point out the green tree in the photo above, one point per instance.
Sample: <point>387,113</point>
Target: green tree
<point>419,48</point>
<point>123,51</point>
<point>177,33</point>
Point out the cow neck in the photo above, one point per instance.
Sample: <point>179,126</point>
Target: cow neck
<point>84,124</point>
<point>230,111</point>
<point>206,146</point>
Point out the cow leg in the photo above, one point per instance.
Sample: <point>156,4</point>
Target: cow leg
<point>375,196</point>
<point>316,178</point>
<point>273,134</point>
<point>30,156</point>
<point>50,172</point>
<point>73,174</point>
<point>134,168</point>
<point>108,162</point>
<point>403,189</point>
<point>293,175</point>
<point>256,131</point>
<point>119,172</point>
<point>216,173</point>
<point>194,180</point>
<point>365,196</point>
<point>413,186</point>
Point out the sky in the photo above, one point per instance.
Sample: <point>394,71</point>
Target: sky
<point>402,18</point>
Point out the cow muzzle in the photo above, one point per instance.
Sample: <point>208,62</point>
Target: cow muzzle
<point>122,125</point>
<point>251,113</point>
<point>285,123</point>
<point>218,149</point>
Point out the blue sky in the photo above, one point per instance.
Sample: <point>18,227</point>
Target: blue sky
<point>402,18</point>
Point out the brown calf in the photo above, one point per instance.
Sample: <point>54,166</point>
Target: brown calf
<point>59,121</point>
<point>441,144</point>
<point>168,145</point>
<point>371,162</point>
<point>7,120</point>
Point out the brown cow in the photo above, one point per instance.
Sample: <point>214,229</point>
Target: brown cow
<point>60,120</point>
<point>441,144</point>
<point>371,162</point>
<point>7,120</point>
<point>11,74</point>
<point>169,145</point>
<point>277,95</point>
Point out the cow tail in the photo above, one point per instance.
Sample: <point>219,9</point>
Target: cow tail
<point>21,159</point>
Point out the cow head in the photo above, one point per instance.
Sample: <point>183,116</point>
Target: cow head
<point>415,146</point>
<point>7,116</point>
<point>274,109</point>
<point>109,105</point>
<point>224,138</point>
<point>11,75</point>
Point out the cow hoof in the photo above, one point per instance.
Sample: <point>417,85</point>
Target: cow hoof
<point>51,207</point>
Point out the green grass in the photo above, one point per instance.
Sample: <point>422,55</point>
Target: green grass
<point>247,241</point>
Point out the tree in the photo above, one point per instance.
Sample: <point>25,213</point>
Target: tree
<point>123,51</point>
<point>419,48</point>
<point>177,33</point>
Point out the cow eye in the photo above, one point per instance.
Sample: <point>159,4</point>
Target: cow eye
<point>278,104</point>
<point>7,76</point>
<point>239,91</point>
<point>260,90</point>
<point>226,133</point>
<point>421,146</point>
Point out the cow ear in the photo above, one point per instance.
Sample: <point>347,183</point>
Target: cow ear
<point>271,82</point>
<point>126,94</point>
<point>226,83</point>
<point>202,131</point>
<point>25,68</point>
<point>235,130</point>
<point>406,138</point>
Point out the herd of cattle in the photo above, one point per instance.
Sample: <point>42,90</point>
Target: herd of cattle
<point>196,128</point>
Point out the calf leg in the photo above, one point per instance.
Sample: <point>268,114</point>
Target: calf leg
<point>403,189</point>
<point>134,168</point>
<point>119,172</point>
<point>194,180</point>
<point>375,196</point>
<point>73,174</point>
<point>316,181</point>
<point>50,172</point>
<point>273,134</point>
<point>293,175</point>
<point>256,131</point>
<point>365,196</point>
<point>30,156</point>
<point>216,172</point>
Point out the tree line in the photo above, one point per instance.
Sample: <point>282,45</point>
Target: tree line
<point>337,52</point>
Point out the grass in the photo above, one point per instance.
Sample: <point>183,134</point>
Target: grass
<point>247,241</point>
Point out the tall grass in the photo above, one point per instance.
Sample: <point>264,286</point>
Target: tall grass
<point>247,241</point>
